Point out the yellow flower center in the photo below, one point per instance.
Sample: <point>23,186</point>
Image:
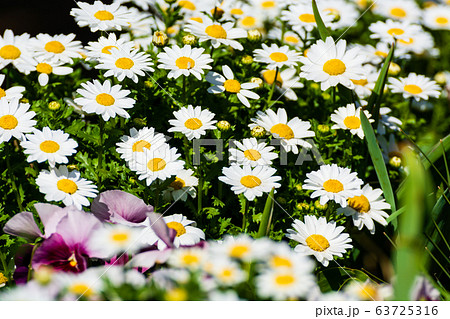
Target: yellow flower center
<point>284,280</point>
<point>352,122</point>
<point>104,15</point>
<point>317,242</point>
<point>105,99</point>
<point>307,18</point>
<point>72,261</point>
<point>333,186</point>
<point>291,39</point>
<point>441,20</point>
<point>190,259</point>
<point>248,21</point>
<point>54,47</point>
<point>81,289</point>
<point>250,181</point>
<point>44,68</point>
<point>178,227</point>
<point>8,122</point>
<point>283,130</point>
<point>226,273</point>
<point>360,82</point>
<point>198,19</point>
<point>236,11</point>
<point>269,76</point>
<point>268,4</point>
<point>367,292</point>
<point>177,184</point>
<point>216,31</point>
<point>10,52</point>
<point>359,203</point>
<point>278,261</point>
<point>185,63</point>
<point>3,279</point>
<point>187,5</point>
<point>252,155</point>
<point>398,12</point>
<point>334,67</point>
<point>106,49</point>
<point>335,12</point>
<point>412,88</point>
<point>67,186</point>
<point>193,123</point>
<point>395,31</point>
<point>381,53</point>
<point>232,86</point>
<point>156,164</point>
<point>139,146</point>
<point>409,41</point>
<point>238,251</point>
<point>278,57</point>
<point>2,93</point>
<point>120,237</point>
<point>176,294</point>
<point>49,146</point>
<point>124,63</point>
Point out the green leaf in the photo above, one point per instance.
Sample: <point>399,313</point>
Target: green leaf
<point>333,278</point>
<point>436,152</point>
<point>373,105</point>
<point>378,163</point>
<point>323,31</point>
<point>266,219</point>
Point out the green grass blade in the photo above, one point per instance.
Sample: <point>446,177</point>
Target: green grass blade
<point>437,262</point>
<point>397,213</point>
<point>409,256</point>
<point>323,31</point>
<point>435,153</point>
<point>373,105</point>
<point>445,161</point>
<point>378,163</point>
<point>442,235</point>
<point>266,219</point>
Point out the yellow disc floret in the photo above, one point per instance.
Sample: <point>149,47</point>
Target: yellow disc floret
<point>67,186</point>
<point>317,242</point>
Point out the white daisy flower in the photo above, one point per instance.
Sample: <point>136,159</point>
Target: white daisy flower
<point>191,258</point>
<point>231,85</point>
<point>331,64</point>
<point>282,256</point>
<point>368,290</point>
<point>252,182</point>
<point>184,61</point>
<point>301,17</point>
<point>217,33</point>
<point>392,30</point>
<point>122,63</point>
<point>344,13</point>
<point>277,57</point>
<point>318,238</point>
<point>366,208</point>
<point>269,9</point>
<point>250,20</point>
<point>348,118</point>
<point>415,85</point>
<point>183,185</point>
<point>418,43</point>
<point>332,182</point>
<point>16,50</point>
<point>59,184</point>
<point>291,133</point>
<point>192,122</point>
<point>186,232</point>
<point>240,247</point>
<point>114,239</point>
<point>160,163</point>
<point>103,46</point>
<point>47,67</point>
<point>85,284</point>
<point>104,99</point>
<point>14,92</point>
<point>136,142</point>
<point>289,37</point>
<point>48,145</point>
<point>226,272</point>
<point>287,80</point>
<point>437,17</point>
<point>283,284</point>
<point>363,87</point>
<point>103,17</point>
<point>15,119</point>
<point>252,153</point>
<point>403,10</point>
<point>58,48</point>
<point>376,55</point>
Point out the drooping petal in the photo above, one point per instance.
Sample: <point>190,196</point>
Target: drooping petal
<point>50,216</point>
<point>159,226</point>
<point>23,225</point>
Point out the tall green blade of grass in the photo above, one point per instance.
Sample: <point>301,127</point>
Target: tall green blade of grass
<point>323,31</point>
<point>436,151</point>
<point>378,163</point>
<point>409,255</point>
<point>266,219</point>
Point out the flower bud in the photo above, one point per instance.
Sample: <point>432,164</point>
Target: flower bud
<point>54,105</point>
<point>160,38</point>
<point>258,131</point>
<point>323,128</point>
<point>72,167</point>
<point>395,161</point>
<point>298,187</point>
<point>247,59</point>
<point>254,35</point>
<point>223,125</point>
<point>258,81</point>
<point>440,78</point>
<point>319,206</point>
<point>24,100</point>
<point>189,39</point>
<point>170,1</point>
<point>303,207</point>
<point>394,68</point>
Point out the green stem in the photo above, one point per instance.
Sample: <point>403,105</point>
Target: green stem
<point>272,88</point>
<point>184,90</point>
<point>12,178</point>
<point>200,193</point>
<point>100,153</point>
<point>30,266</point>
<point>244,217</point>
